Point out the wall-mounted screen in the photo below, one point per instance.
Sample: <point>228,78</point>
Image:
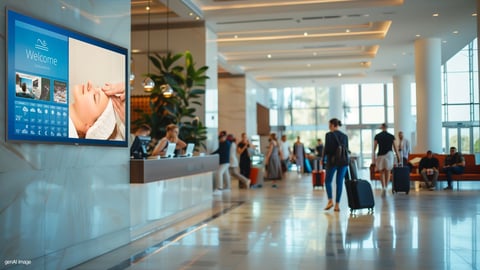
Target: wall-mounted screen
<point>64,86</point>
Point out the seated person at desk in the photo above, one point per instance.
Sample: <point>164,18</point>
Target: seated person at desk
<point>170,137</point>
<point>454,163</point>
<point>136,149</point>
<point>429,166</point>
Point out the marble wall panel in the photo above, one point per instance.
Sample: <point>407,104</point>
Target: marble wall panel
<point>63,204</point>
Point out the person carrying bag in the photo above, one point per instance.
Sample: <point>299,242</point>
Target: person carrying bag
<point>336,152</point>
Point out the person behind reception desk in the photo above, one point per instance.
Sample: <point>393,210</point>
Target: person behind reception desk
<point>137,150</point>
<point>170,137</point>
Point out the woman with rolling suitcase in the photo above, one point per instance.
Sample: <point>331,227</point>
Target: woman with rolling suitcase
<point>333,140</point>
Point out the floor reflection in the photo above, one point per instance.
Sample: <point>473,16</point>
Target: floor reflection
<point>286,228</point>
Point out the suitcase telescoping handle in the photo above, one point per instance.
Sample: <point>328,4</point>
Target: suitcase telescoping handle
<point>400,158</point>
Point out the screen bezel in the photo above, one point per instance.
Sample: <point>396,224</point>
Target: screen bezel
<point>13,15</point>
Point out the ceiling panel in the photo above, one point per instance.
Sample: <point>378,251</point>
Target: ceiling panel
<point>317,40</point>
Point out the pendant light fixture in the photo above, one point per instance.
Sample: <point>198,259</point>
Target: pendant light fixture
<point>167,90</point>
<point>148,83</point>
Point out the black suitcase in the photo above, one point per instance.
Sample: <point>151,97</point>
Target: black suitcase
<point>401,179</point>
<point>360,195</point>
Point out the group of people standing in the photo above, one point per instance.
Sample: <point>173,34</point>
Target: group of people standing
<point>276,158</point>
<point>279,152</point>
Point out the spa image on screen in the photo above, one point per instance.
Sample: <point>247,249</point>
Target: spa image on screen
<point>96,85</point>
<point>63,86</point>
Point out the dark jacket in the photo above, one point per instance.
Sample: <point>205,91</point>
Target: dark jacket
<point>428,163</point>
<point>453,159</point>
<point>331,144</point>
<point>224,152</point>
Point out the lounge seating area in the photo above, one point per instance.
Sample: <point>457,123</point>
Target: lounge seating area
<point>472,170</point>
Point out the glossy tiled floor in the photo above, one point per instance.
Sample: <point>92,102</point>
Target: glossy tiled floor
<point>287,228</point>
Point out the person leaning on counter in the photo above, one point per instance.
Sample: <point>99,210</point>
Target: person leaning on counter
<point>170,137</point>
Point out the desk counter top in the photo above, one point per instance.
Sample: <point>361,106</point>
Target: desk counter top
<point>150,170</point>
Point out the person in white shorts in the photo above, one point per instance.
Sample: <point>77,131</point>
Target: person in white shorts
<point>384,160</point>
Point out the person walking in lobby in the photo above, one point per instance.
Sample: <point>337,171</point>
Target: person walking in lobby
<point>299,155</point>
<point>272,161</point>
<point>454,164</point>
<point>385,157</point>
<point>403,148</point>
<point>285,152</point>
<point>245,161</point>
<point>222,176</point>
<point>233,169</point>
<point>428,166</point>
<point>332,140</point>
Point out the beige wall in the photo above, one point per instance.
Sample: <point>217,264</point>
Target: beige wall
<point>232,105</point>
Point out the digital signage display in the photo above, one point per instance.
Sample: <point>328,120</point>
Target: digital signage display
<point>64,86</point>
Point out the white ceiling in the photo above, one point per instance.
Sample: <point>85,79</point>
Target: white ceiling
<point>312,42</point>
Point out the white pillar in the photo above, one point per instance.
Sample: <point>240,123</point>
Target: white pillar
<point>402,107</point>
<point>209,116</point>
<point>429,95</point>
<point>335,103</point>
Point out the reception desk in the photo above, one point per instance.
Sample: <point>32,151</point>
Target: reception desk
<point>151,170</point>
<point>166,191</point>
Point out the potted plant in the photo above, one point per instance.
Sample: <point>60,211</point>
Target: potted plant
<point>188,85</point>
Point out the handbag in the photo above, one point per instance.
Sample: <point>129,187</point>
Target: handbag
<point>341,154</point>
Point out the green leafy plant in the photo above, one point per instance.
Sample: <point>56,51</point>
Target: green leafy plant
<point>188,84</point>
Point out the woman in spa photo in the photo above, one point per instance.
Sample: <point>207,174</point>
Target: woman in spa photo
<point>97,112</point>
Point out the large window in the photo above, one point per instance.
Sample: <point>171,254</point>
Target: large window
<point>304,111</point>
<point>460,100</point>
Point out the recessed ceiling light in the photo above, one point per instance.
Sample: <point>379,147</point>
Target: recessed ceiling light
<point>474,14</point>
<point>190,14</point>
<point>269,56</point>
<point>305,34</point>
<point>147,8</point>
<point>435,14</point>
<point>236,36</point>
<point>64,7</point>
<point>309,65</point>
<point>348,30</point>
<point>314,53</point>
<point>455,32</point>
<point>339,74</point>
<point>417,35</point>
<point>444,41</point>
<point>197,18</point>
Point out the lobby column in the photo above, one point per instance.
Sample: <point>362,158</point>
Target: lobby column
<point>403,120</point>
<point>335,103</point>
<point>429,95</point>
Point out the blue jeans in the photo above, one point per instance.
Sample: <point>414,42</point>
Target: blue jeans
<point>341,171</point>
<point>454,170</point>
